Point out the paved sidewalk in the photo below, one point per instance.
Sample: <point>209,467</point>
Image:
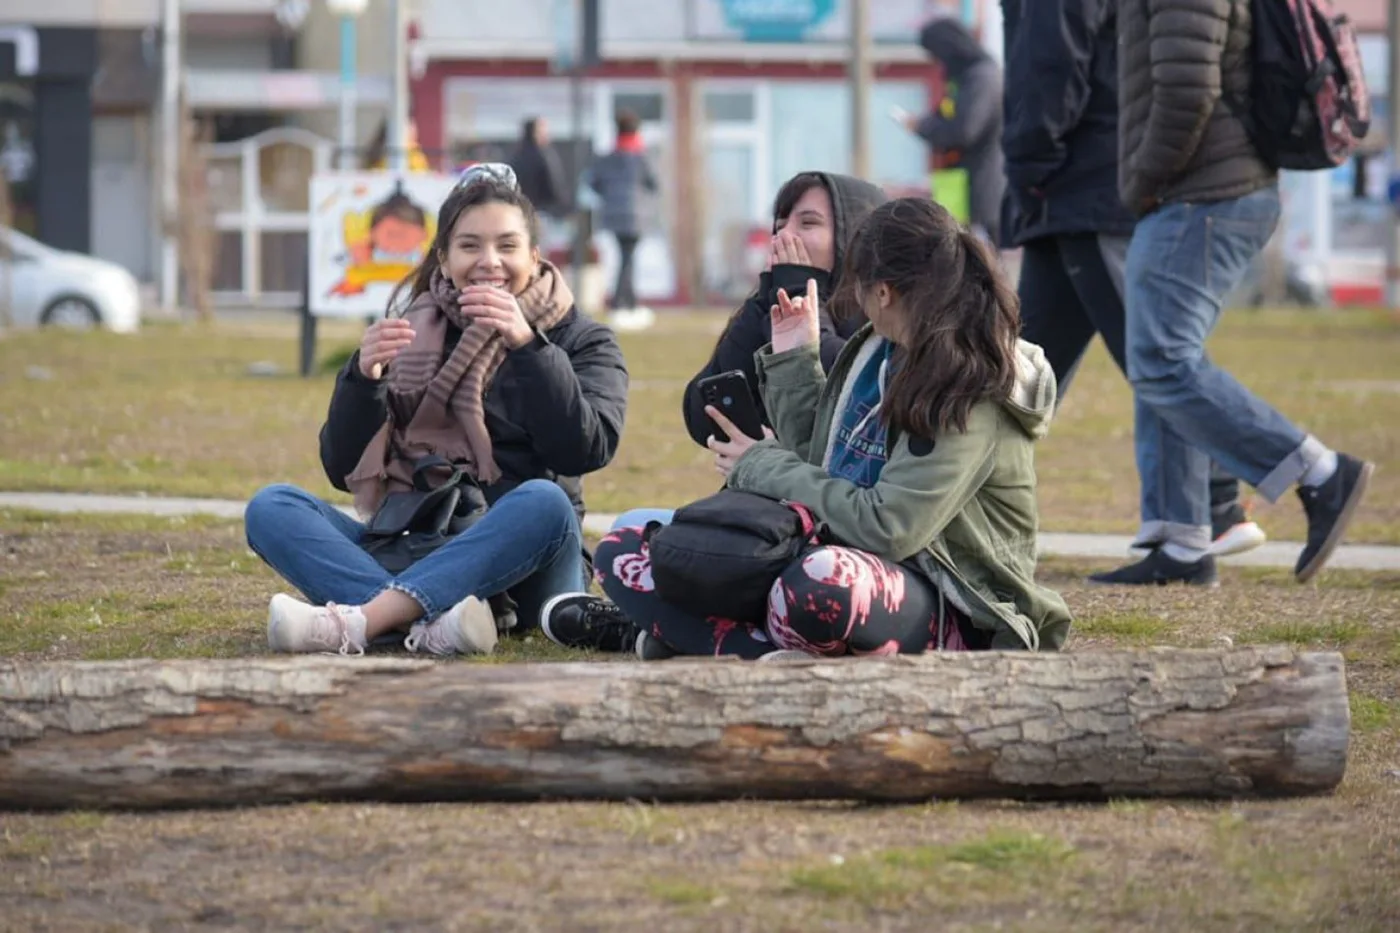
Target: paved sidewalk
<point>1054,544</point>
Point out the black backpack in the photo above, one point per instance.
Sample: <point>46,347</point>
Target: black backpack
<point>1309,105</point>
<point>720,556</point>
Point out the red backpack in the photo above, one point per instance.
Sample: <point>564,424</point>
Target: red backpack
<point>1310,108</point>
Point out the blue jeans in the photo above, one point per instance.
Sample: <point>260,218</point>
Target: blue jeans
<point>528,542</point>
<point>1182,261</point>
<point>640,518</point>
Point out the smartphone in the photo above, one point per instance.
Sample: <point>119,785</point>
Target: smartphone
<point>730,393</point>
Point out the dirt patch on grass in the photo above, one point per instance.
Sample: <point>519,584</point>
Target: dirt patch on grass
<point>85,587</point>
<point>745,866</point>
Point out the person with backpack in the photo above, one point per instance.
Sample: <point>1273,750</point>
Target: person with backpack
<point>815,217</point>
<point>1060,141</point>
<point>1192,166</point>
<point>491,385</point>
<point>914,455</point>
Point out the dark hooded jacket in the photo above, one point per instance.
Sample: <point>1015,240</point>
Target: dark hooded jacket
<point>965,130</point>
<point>1061,113</point>
<point>540,175</point>
<point>750,329</point>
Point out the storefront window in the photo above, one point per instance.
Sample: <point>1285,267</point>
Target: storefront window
<point>810,129</point>
<point>18,164</point>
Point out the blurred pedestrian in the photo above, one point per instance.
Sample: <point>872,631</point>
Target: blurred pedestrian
<point>537,168</point>
<point>620,178</point>
<point>964,130</point>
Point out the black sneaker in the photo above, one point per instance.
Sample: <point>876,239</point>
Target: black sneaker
<point>1157,569</point>
<point>1330,508</point>
<point>651,648</point>
<point>578,620</point>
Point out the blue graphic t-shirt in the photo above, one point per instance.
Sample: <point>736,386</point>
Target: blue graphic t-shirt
<point>859,454</point>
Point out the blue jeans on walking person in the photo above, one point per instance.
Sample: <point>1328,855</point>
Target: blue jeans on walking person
<point>1182,261</point>
<point>529,543</point>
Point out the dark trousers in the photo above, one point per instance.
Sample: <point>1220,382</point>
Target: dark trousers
<point>832,601</point>
<point>1071,289</point>
<point>625,294</point>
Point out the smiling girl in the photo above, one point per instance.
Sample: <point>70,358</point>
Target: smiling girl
<point>492,370</point>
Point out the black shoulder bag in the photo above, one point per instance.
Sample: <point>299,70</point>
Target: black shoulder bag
<point>409,526</point>
<point>720,556</point>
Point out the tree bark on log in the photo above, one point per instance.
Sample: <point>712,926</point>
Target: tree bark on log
<point>1158,722</point>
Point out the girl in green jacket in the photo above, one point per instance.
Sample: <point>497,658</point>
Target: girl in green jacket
<point>916,453</point>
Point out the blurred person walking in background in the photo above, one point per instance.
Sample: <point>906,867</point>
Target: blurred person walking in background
<point>537,168</point>
<point>964,130</point>
<point>620,178</point>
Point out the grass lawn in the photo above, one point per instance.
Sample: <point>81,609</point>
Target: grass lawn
<point>120,586</point>
<point>175,412</point>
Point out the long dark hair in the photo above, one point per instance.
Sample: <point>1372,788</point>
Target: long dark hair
<point>962,317</point>
<point>462,199</point>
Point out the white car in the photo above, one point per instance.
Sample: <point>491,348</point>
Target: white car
<point>48,287</point>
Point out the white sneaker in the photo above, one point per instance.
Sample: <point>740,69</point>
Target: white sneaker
<point>1237,539</point>
<point>632,319</point>
<point>467,628</point>
<point>301,628</point>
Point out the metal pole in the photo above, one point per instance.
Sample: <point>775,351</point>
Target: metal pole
<point>580,250</point>
<point>398,108</point>
<point>170,155</point>
<point>346,155</point>
<point>1392,251</point>
<point>862,76</point>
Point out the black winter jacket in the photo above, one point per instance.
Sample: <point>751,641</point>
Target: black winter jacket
<point>555,410</point>
<point>1060,136</point>
<point>750,329</point>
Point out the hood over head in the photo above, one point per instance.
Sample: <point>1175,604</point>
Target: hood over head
<point>1032,401</point>
<point>949,41</point>
<point>852,200</point>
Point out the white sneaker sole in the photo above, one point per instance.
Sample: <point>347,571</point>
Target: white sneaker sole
<point>1246,536</point>
<point>786,654</point>
<point>276,609</point>
<point>545,613</point>
<point>478,626</point>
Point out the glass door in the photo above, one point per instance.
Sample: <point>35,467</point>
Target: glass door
<point>655,258</point>
<point>734,209</point>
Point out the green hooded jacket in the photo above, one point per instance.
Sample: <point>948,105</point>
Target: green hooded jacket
<point>961,508</point>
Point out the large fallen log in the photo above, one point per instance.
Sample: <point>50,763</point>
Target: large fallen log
<point>1263,721</point>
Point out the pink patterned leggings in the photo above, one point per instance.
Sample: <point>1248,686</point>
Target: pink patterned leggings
<point>832,601</point>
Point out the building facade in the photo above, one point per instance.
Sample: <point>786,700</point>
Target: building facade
<point>46,129</point>
<point>735,96</point>
<point>80,125</point>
